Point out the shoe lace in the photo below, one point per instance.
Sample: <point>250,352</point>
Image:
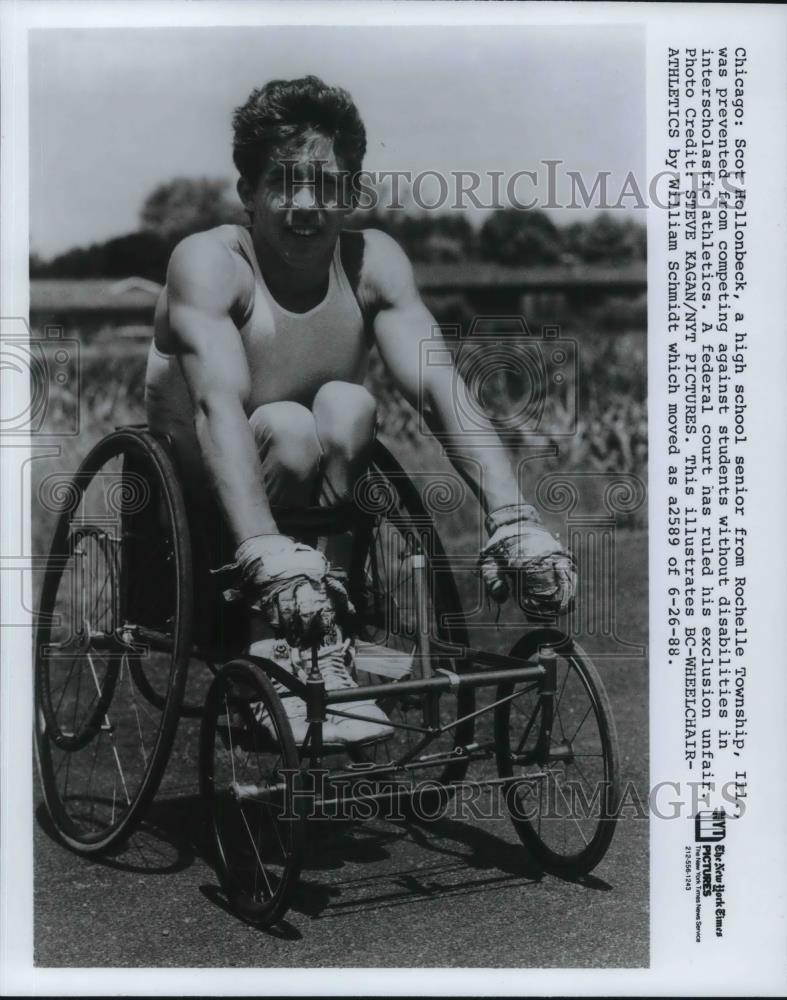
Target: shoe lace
<point>331,661</point>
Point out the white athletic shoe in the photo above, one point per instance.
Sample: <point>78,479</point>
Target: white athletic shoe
<point>369,722</point>
<point>284,656</point>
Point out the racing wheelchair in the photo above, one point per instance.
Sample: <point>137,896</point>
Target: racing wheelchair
<point>132,599</point>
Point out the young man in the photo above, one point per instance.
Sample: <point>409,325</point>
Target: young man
<point>262,337</point>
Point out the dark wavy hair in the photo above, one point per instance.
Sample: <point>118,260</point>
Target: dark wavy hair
<point>283,110</point>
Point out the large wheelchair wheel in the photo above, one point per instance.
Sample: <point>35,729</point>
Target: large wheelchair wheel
<point>564,751</point>
<point>115,610</point>
<point>406,595</point>
<point>248,770</point>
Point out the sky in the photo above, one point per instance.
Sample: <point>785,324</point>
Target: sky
<point>114,112</point>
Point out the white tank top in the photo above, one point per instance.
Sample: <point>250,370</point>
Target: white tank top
<point>290,355</point>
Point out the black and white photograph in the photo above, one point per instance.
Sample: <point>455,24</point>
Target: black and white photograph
<point>335,428</point>
<point>352,529</point>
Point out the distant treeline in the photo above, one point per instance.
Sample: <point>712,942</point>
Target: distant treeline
<point>507,237</point>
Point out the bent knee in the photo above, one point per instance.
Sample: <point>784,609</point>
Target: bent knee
<point>340,397</point>
<point>345,414</point>
<point>287,432</point>
<point>284,419</point>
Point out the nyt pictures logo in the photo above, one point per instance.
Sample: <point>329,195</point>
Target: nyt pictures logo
<point>710,825</point>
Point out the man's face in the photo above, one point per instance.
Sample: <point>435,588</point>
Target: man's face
<point>299,204</point>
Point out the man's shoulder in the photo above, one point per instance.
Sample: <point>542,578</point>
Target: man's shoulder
<point>207,261</point>
<point>380,246</point>
<point>214,245</point>
<point>386,272</point>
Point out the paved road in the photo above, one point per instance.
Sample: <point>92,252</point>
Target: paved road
<point>460,892</point>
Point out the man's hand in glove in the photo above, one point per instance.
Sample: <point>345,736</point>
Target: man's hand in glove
<point>519,544</point>
<point>292,585</point>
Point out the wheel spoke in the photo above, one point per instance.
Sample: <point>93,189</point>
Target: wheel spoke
<point>229,739</point>
<point>565,681</point>
<point>256,852</point>
<point>558,699</point>
<point>582,773</point>
<point>570,815</point>
<point>278,835</point>
<point>582,723</point>
<point>93,610</point>
<point>76,703</point>
<point>528,727</point>
<point>559,718</point>
<point>67,758</point>
<point>144,704</point>
<point>63,758</point>
<point>93,672</point>
<point>65,686</point>
<point>97,744</point>
<point>119,766</point>
<point>124,662</point>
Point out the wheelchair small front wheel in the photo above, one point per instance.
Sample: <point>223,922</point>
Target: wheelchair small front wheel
<point>562,749</point>
<point>249,774</point>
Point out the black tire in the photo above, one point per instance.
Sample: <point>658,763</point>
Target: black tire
<point>573,773</point>
<point>402,529</point>
<point>257,853</point>
<point>99,774</point>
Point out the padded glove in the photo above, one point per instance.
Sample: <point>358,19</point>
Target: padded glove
<point>293,586</point>
<point>520,544</point>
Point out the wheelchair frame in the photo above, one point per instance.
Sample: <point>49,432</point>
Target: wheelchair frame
<point>546,752</point>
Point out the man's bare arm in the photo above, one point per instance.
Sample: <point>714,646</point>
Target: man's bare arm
<point>401,323</point>
<point>519,544</point>
<point>202,287</point>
